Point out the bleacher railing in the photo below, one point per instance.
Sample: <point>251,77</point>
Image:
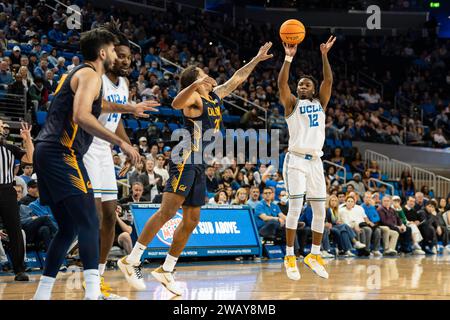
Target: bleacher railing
<point>422,177</point>
<point>393,169</point>
<point>13,107</point>
<point>382,161</point>
<point>442,187</point>
<point>397,168</point>
<point>338,168</point>
<point>377,182</point>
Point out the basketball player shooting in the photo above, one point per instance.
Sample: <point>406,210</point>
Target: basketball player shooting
<point>302,168</point>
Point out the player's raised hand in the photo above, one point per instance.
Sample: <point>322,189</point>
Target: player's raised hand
<point>206,80</point>
<point>25,131</point>
<point>142,107</point>
<point>290,49</point>
<point>130,151</point>
<point>325,47</point>
<point>263,52</point>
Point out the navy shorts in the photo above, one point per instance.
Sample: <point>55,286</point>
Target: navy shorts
<point>188,180</point>
<point>60,173</point>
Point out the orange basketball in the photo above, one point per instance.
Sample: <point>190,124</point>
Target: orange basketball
<point>292,31</point>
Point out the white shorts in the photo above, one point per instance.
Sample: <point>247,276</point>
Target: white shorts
<point>100,167</point>
<point>302,176</point>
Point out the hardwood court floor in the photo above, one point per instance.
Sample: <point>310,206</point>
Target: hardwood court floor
<point>415,277</point>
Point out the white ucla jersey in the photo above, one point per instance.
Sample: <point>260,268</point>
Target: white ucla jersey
<point>306,125</point>
<point>116,94</point>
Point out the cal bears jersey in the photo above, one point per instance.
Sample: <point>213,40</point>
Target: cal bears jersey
<point>211,118</point>
<point>112,93</point>
<point>306,126</point>
<point>59,129</point>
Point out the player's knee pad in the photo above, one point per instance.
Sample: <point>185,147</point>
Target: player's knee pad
<point>295,208</point>
<point>318,221</point>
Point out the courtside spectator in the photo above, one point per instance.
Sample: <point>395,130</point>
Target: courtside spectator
<point>32,195</point>
<point>136,195</point>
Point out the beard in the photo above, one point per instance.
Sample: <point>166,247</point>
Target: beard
<point>107,65</point>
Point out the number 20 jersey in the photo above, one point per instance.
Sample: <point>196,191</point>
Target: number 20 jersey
<point>306,125</point>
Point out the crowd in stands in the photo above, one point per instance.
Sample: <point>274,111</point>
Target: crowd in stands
<point>36,49</point>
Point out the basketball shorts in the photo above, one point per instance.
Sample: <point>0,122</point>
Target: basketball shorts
<point>188,180</point>
<point>100,167</point>
<point>60,173</point>
<point>302,176</point>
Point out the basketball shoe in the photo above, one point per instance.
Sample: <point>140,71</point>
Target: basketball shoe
<point>105,290</point>
<point>132,273</point>
<point>316,264</point>
<point>290,263</point>
<point>167,280</point>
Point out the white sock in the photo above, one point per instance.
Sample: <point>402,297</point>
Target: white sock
<point>135,256</point>
<point>169,263</point>
<point>92,279</point>
<point>315,249</point>
<point>289,251</point>
<point>45,287</point>
<point>101,268</point>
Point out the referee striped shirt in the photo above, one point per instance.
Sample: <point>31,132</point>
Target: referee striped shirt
<point>8,154</point>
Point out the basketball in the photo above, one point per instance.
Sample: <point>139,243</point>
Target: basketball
<point>292,31</point>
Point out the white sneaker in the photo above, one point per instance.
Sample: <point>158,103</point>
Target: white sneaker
<point>359,245</point>
<point>377,253</point>
<point>434,250</point>
<point>112,296</point>
<point>290,263</point>
<point>132,273</point>
<point>418,252</point>
<point>447,248</point>
<point>316,264</point>
<point>326,255</point>
<point>167,280</point>
<point>348,253</point>
<point>416,246</point>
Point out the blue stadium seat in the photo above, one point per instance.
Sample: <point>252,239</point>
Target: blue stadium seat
<point>165,112</point>
<point>384,177</point>
<point>338,143</point>
<point>173,126</point>
<point>347,143</point>
<point>349,176</point>
<point>68,55</point>
<point>8,53</point>
<point>133,124</point>
<point>177,113</point>
<point>231,119</point>
<point>428,109</point>
<point>330,143</point>
<point>41,117</point>
<point>159,125</point>
<point>144,124</point>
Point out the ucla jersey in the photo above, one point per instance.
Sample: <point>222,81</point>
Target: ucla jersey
<point>211,118</point>
<point>112,93</point>
<point>306,125</point>
<point>59,129</point>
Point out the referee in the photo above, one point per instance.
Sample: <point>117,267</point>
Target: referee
<point>9,209</point>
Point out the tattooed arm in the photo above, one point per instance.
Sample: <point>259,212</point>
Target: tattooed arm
<point>242,74</point>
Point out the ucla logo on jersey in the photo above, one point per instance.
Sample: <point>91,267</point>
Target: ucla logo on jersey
<point>311,109</point>
<point>117,98</point>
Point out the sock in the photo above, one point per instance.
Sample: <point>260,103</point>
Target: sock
<point>169,263</point>
<point>289,251</point>
<point>315,249</point>
<point>44,290</point>
<point>92,279</point>
<point>101,268</point>
<point>135,256</point>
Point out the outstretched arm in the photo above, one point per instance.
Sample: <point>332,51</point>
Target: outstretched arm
<point>325,87</point>
<point>242,74</point>
<point>189,95</point>
<point>138,110</point>
<point>287,99</point>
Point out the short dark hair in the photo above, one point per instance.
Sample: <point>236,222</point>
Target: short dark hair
<point>433,204</point>
<point>188,76</point>
<point>341,192</point>
<point>314,81</point>
<point>93,40</point>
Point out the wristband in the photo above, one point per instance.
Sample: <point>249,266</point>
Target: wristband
<point>288,58</point>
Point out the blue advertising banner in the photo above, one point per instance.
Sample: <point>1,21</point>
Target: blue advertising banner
<point>223,230</point>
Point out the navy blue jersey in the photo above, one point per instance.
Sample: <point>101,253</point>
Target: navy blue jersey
<point>59,129</point>
<point>211,118</point>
